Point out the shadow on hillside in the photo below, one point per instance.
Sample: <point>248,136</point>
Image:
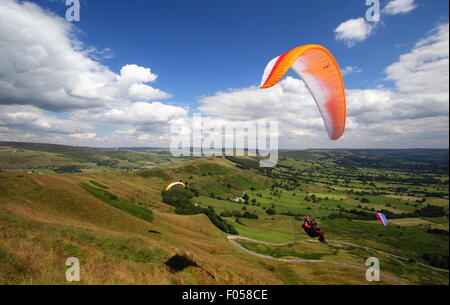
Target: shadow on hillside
<point>155,232</point>
<point>178,263</point>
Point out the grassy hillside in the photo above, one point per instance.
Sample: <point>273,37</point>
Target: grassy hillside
<point>50,158</point>
<point>46,218</point>
<point>117,225</point>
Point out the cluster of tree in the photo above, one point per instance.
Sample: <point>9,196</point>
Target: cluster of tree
<point>238,220</point>
<point>427,211</point>
<point>220,222</point>
<point>436,260</point>
<point>271,211</point>
<point>416,180</point>
<point>406,160</point>
<point>239,215</point>
<point>246,197</point>
<point>68,169</point>
<point>181,199</point>
<point>246,164</point>
<point>430,211</point>
<point>106,162</point>
<point>314,198</point>
<point>276,193</point>
<point>348,167</point>
<point>250,215</point>
<point>436,194</point>
<point>296,215</point>
<point>438,232</point>
<point>351,214</point>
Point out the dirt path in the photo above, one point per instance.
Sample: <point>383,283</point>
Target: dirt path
<point>231,237</point>
<point>298,260</point>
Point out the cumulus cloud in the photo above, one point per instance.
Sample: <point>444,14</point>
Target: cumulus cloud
<point>426,68</point>
<point>144,115</point>
<point>353,31</point>
<point>395,7</point>
<point>132,137</point>
<point>350,70</point>
<point>130,84</point>
<point>414,114</point>
<point>283,102</point>
<point>89,135</point>
<point>45,70</point>
<point>288,102</point>
<point>30,119</point>
<point>44,65</point>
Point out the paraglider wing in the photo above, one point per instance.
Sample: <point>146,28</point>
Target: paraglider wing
<point>173,184</point>
<point>321,74</point>
<point>382,218</point>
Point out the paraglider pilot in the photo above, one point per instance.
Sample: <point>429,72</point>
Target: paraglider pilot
<point>312,230</point>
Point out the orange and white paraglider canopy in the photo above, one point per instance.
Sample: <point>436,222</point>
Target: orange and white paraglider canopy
<point>321,74</point>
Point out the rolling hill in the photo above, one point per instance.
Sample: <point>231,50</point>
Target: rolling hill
<point>117,224</point>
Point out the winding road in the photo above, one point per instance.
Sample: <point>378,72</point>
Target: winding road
<point>232,238</point>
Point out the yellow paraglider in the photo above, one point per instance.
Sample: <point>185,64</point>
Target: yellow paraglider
<point>321,74</point>
<point>173,184</point>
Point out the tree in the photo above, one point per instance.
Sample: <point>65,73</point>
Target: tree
<point>271,211</point>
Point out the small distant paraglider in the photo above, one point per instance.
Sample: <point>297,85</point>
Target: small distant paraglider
<point>174,184</point>
<point>321,74</point>
<point>381,217</point>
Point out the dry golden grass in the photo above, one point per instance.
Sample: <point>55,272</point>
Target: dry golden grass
<point>46,218</point>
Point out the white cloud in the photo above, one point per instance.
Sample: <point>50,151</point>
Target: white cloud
<point>141,115</point>
<point>145,92</point>
<point>130,84</point>
<point>288,102</point>
<point>395,7</point>
<point>44,68</point>
<point>424,70</point>
<point>133,137</point>
<point>130,74</point>
<point>283,101</point>
<point>350,70</point>
<point>89,135</point>
<point>33,120</point>
<point>415,114</point>
<point>353,30</point>
<point>44,65</point>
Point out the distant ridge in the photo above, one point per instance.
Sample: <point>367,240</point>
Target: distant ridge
<point>33,145</point>
<point>144,148</point>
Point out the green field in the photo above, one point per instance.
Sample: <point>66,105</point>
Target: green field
<point>107,207</point>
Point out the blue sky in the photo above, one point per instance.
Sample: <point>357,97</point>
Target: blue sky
<point>199,48</point>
